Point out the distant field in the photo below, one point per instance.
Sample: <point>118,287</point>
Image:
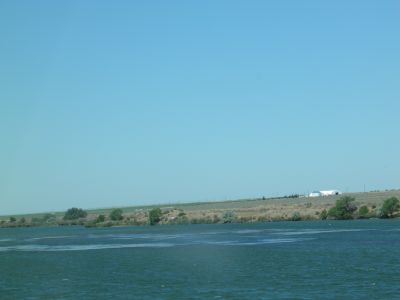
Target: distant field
<point>253,206</point>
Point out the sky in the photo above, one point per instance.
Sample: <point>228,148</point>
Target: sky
<point>119,103</point>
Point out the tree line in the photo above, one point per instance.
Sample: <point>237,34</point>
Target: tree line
<point>346,209</point>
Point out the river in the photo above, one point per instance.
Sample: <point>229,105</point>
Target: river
<point>282,260</point>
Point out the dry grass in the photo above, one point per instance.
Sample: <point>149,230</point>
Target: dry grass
<point>246,210</point>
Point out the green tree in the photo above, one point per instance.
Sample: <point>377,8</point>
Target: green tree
<point>323,215</point>
<point>332,212</point>
<point>343,209</point>
<point>390,207</point>
<point>13,219</point>
<point>116,214</point>
<point>75,213</point>
<point>101,219</point>
<point>155,216</point>
<point>363,212</point>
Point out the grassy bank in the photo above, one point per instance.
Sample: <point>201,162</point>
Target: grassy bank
<point>241,211</point>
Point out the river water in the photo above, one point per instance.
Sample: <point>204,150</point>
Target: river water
<point>282,260</point>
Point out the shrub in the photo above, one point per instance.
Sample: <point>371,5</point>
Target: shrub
<point>116,215</point>
<point>323,215</point>
<point>136,221</point>
<point>181,220</point>
<point>48,218</point>
<point>264,218</point>
<point>207,220</point>
<point>36,221</point>
<point>91,223</point>
<point>195,221</point>
<point>216,218</point>
<point>390,207</point>
<point>296,216</point>
<point>343,209</point>
<point>13,219</point>
<point>101,219</point>
<point>363,212</point>
<point>74,213</point>
<point>228,217</point>
<point>291,196</point>
<point>155,216</point>
<point>332,212</point>
<point>108,224</point>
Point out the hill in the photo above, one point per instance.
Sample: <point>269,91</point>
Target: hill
<point>244,210</point>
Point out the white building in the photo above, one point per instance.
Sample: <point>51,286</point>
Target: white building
<point>330,193</point>
<point>324,193</point>
<point>315,194</point>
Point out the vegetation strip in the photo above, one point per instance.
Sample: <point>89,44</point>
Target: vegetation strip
<point>345,207</point>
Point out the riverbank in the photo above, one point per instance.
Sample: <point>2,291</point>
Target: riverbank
<point>239,211</point>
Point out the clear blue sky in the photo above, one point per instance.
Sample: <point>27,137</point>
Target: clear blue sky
<point>115,103</point>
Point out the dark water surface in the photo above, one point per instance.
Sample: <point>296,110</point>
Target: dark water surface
<point>283,260</point>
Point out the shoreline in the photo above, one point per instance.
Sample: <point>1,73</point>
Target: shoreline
<point>239,211</point>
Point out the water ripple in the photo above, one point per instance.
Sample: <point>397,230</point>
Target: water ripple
<point>312,231</point>
<point>44,248</point>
